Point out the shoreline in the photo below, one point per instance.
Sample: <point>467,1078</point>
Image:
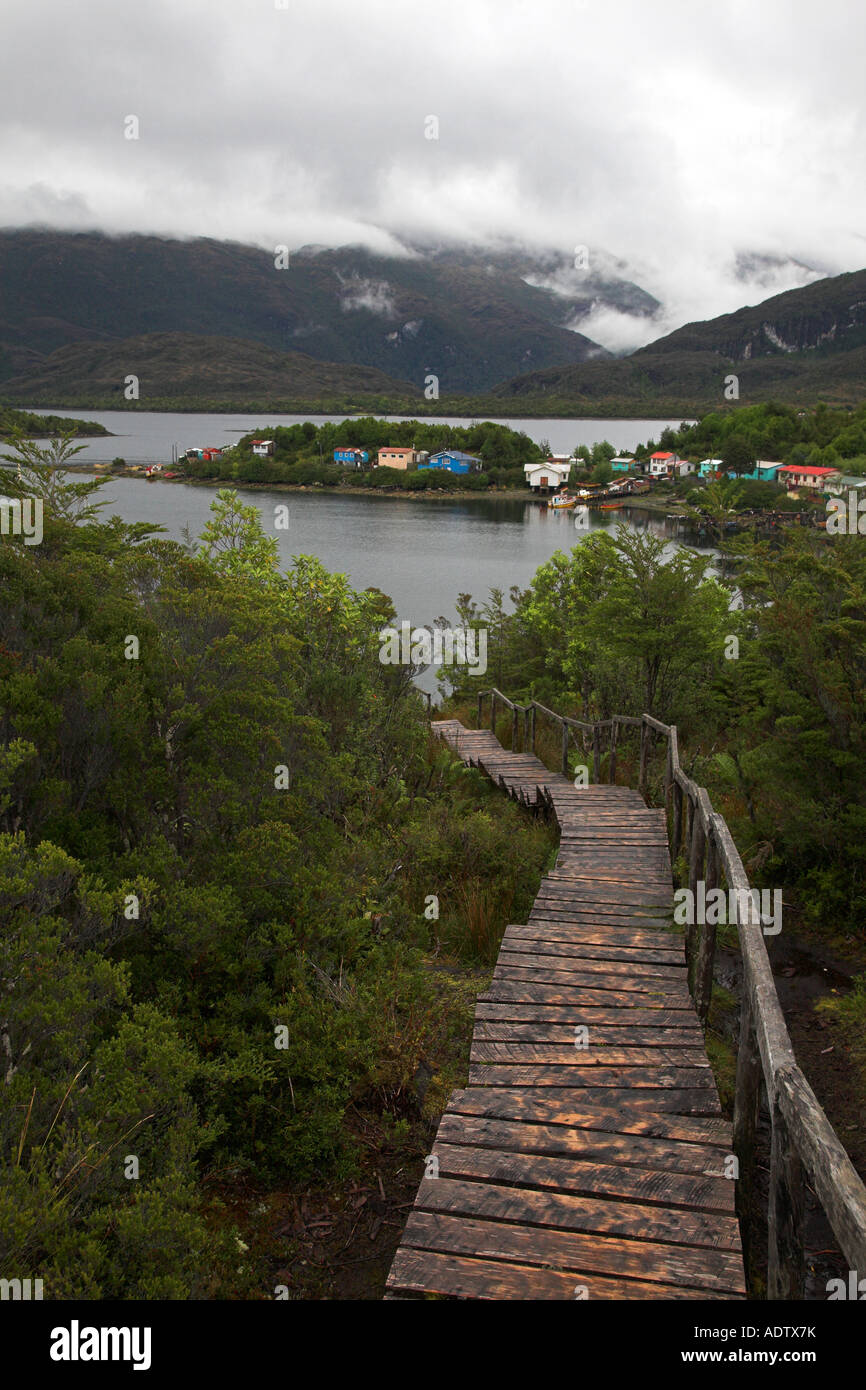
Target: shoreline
<point>396,411</point>
<point>640,502</point>
<point>419,494</point>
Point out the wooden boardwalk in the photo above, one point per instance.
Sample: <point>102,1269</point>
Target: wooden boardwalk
<point>586,1156</point>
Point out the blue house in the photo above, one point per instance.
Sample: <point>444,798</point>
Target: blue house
<point>454,460</point>
<point>354,457</point>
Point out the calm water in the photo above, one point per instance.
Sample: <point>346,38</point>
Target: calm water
<point>148,437</point>
<point>423,554</point>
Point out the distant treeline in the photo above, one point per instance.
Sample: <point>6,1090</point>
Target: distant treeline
<point>822,436</point>
<point>42,426</point>
<point>303,454</point>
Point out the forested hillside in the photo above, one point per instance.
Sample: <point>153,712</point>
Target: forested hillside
<point>221,824</point>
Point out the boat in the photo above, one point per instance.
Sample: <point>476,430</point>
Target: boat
<point>561,500</point>
<point>610,506</point>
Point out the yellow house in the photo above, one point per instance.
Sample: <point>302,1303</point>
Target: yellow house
<point>397,458</point>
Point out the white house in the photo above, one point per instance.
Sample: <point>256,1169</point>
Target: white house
<point>685,466</point>
<point>662,463</point>
<point>263,447</point>
<point>544,477</point>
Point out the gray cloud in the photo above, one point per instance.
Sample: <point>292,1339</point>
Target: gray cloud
<point>674,136</point>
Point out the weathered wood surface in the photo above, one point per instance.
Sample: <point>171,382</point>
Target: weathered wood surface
<point>587,1156</point>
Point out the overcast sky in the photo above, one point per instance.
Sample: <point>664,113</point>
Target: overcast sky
<point>669,133</point>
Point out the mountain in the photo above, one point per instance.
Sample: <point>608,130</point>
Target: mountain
<point>797,346</point>
<point>176,366</point>
<point>469,318</point>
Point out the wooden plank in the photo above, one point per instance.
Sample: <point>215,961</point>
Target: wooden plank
<point>624,1181</point>
<point>631,1015</point>
<point>590,932</point>
<point>624,1078</point>
<point>586,950</point>
<point>681,1099</point>
<point>592,995</point>
<point>642,1261</point>
<point>561,1054</point>
<point>582,1111</point>
<point>599,1145</point>
<point>523,1205</point>
<point>562,967</point>
<point>452,1275</point>
<point>602,1035</point>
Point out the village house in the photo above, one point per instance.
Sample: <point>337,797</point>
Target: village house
<point>808,477</point>
<point>765,472</point>
<point>264,448</point>
<point>454,460</point>
<point>547,476</point>
<point>352,458</point>
<point>388,457</point>
<point>622,465</point>
<point>685,467</point>
<point>207,453</point>
<point>710,468</point>
<point>661,464</point>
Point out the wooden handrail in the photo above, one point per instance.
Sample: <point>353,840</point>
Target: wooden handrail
<point>803,1140</point>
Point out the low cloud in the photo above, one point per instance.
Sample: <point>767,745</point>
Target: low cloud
<point>376,296</point>
<point>671,138</point>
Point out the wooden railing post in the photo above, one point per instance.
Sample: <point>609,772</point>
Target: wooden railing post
<point>706,953</point>
<point>564,748</point>
<point>677,821</point>
<point>747,1104</point>
<point>697,845</point>
<point>644,749</point>
<point>671,761</point>
<point>614,729</point>
<point>596,753</point>
<point>493,712</point>
<point>480,710</point>
<point>533,728</point>
<point>786,1267</point>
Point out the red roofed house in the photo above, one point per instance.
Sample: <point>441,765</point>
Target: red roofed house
<point>662,463</point>
<point>813,479</point>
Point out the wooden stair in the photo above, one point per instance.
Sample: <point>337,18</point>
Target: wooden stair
<point>580,1164</point>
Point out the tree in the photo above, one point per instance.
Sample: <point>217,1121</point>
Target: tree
<point>603,451</point>
<point>715,503</point>
<point>602,472</point>
<point>623,627</point>
<point>737,455</point>
<point>234,541</point>
<point>42,473</point>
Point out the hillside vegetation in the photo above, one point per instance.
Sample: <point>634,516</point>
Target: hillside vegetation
<point>222,827</point>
